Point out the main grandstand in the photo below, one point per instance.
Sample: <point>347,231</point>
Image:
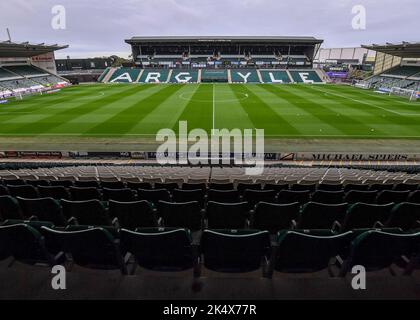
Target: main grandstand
<point>220,59</point>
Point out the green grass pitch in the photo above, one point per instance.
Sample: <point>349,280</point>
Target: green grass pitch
<point>283,111</point>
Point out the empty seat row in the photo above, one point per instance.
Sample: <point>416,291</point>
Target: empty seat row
<point>201,195</point>
<point>264,216</point>
<point>241,186</point>
<point>232,251</point>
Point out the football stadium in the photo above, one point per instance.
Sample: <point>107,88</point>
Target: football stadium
<point>139,180</point>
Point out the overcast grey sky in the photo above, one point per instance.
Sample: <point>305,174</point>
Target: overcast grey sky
<point>99,27</point>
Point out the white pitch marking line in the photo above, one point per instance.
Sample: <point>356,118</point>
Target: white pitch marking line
<point>81,135</point>
<point>214,106</point>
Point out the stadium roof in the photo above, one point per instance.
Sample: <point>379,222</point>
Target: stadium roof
<point>403,50</point>
<point>271,39</point>
<point>26,49</point>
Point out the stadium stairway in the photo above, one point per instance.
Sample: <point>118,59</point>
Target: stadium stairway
<point>107,75</point>
<point>259,76</point>
<point>199,76</point>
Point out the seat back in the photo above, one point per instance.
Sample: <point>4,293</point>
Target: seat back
<point>189,195</point>
<point>227,215</point>
<point>330,186</point>
<point>377,250</point>
<point>82,193</point>
<point>24,243</point>
<point>406,187</point>
<point>321,216</point>
<point>122,195</point>
<point>354,196</point>
<point>356,186</point>
<point>44,209</point>
<point>289,196</point>
<point>274,217</point>
<point>94,248</point>
<point>10,209</point>
<point>242,187</point>
<point>25,191</point>
<point>303,187</point>
<point>221,186</point>
<point>298,252</point>
<point>88,212</point>
<point>388,196</point>
<point>364,215</point>
<point>159,248</point>
<point>276,187</point>
<point>154,196</point>
<point>381,186</point>
<point>167,186</point>
<point>87,184</point>
<point>414,197</point>
<point>405,216</point>
<point>255,196</point>
<point>223,196</point>
<point>112,184</point>
<point>132,215</point>
<point>234,251</point>
<point>328,197</point>
<point>194,186</point>
<point>181,215</point>
<point>55,192</point>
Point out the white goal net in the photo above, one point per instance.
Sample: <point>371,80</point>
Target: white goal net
<point>407,93</point>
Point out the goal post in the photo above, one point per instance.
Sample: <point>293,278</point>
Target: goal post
<point>411,95</point>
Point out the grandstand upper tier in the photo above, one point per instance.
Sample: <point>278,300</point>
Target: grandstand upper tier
<point>25,68</point>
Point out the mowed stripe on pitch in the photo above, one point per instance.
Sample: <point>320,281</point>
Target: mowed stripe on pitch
<point>167,113</point>
<point>86,122</point>
<point>347,125</point>
<point>74,111</point>
<point>42,108</point>
<point>302,120</point>
<point>199,110</point>
<point>129,117</point>
<point>390,122</point>
<point>262,115</point>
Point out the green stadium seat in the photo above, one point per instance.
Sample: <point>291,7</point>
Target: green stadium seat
<point>159,249</point>
<point>94,248</point>
<point>298,252</point>
<point>186,215</point>
<point>43,209</point>
<point>133,215</point>
<point>236,251</point>
<point>274,217</point>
